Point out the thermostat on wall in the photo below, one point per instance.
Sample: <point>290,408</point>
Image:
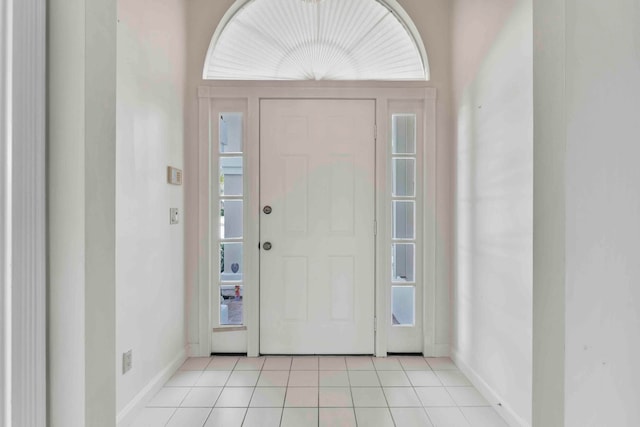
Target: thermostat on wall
<point>174,176</point>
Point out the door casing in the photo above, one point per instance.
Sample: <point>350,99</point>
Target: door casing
<point>246,97</point>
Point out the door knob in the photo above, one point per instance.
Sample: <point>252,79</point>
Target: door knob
<point>266,246</point>
<point>267,209</point>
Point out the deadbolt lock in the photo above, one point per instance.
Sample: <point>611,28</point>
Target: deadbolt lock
<point>267,209</point>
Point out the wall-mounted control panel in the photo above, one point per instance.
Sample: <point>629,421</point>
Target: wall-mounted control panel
<point>174,175</point>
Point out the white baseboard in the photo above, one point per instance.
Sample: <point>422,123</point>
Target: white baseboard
<point>505,411</point>
<point>436,350</point>
<point>129,412</point>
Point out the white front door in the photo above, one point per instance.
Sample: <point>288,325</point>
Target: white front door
<point>317,177</point>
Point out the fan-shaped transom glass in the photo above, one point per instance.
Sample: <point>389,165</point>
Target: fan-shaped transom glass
<point>316,40</point>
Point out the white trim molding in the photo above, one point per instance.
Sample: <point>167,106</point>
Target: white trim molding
<point>23,206</point>
<point>5,212</point>
<point>248,95</point>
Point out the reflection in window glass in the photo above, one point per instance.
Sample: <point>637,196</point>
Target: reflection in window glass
<point>229,185</point>
<point>402,262</point>
<point>403,219</point>
<point>230,132</point>
<point>231,219</point>
<point>403,305</point>
<point>403,136</point>
<point>231,296</point>
<point>404,177</point>
<point>231,176</point>
<point>231,267</point>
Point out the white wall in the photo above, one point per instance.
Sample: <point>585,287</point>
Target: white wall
<point>602,312</point>
<point>150,252</point>
<point>81,212</point>
<point>431,17</point>
<point>587,99</point>
<point>492,294</point>
<point>116,267</point>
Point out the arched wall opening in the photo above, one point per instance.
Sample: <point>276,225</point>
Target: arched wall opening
<point>316,40</point>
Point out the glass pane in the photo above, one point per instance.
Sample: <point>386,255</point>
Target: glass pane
<point>403,219</point>
<point>230,132</point>
<point>230,219</point>
<point>403,305</point>
<point>231,296</point>
<point>403,136</point>
<point>404,177</point>
<point>231,176</point>
<point>231,262</point>
<point>402,262</point>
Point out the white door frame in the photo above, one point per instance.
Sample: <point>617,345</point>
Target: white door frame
<point>250,94</point>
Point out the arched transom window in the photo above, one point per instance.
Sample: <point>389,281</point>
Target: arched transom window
<point>316,40</point>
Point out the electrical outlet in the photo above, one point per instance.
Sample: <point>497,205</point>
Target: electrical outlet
<point>127,361</point>
<point>173,216</point>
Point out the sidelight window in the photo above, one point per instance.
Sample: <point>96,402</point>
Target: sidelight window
<point>231,218</point>
<point>403,212</point>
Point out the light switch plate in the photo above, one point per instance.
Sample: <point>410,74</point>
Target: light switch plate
<point>127,361</point>
<point>173,216</point>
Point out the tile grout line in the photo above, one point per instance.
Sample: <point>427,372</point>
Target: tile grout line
<point>225,386</point>
<point>217,398</point>
<point>353,402</point>
<point>413,387</point>
<point>189,392</point>
<point>172,414</point>
<point>318,406</point>
<point>253,392</point>
<point>447,391</point>
<point>384,394</point>
<point>286,392</point>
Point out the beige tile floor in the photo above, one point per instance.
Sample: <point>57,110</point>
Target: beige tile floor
<point>318,391</point>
